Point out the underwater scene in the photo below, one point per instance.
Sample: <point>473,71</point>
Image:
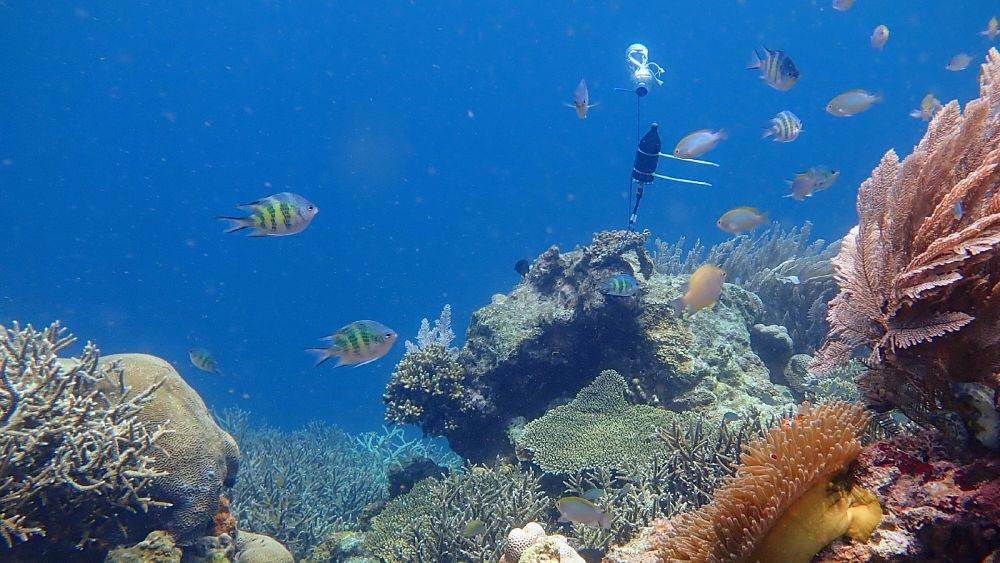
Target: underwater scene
<point>500,282</point>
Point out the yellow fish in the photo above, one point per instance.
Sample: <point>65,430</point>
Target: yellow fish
<point>703,290</point>
<point>991,30</point>
<point>274,216</point>
<point>929,107</point>
<point>741,219</point>
<point>698,143</point>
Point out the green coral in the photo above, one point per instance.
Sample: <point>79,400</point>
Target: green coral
<point>426,524</point>
<point>597,429</point>
<point>428,388</point>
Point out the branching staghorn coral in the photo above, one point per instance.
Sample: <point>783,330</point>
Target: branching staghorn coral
<point>697,458</point>
<point>299,486</point>
<point>919,275</point>
<point>790,274</point>
<point>426,524</point>
<point>73,455</point>
<point>788,499</point>
<point>392,447</point>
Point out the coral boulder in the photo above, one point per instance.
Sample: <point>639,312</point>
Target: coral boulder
<point>200,458</point>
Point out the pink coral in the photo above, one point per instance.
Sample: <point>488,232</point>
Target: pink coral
<point>937,509</point>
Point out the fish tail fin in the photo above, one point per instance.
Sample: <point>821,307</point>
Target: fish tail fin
<point>755,60</point>
<point>767,133</point>
<point>878,96</point>
<point>324,354</point>
<point>235,223</point>
<point>604,521</point>
<point>722,134</point>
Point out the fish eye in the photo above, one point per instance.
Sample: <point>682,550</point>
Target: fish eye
<point>388,334</point>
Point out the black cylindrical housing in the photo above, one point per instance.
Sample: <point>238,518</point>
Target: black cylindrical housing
<point>646,157</point>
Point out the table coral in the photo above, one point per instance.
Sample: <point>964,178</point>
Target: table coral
<point>597,429</point>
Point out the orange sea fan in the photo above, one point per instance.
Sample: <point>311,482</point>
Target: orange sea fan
<point>787,499</point>
<point>919,275</point>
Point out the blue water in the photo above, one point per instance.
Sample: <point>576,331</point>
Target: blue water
<point>432,137</point>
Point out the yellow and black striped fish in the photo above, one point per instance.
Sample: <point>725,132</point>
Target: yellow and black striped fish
<point>776,68</point>
<point>785,127</point>
<point>274,216</point>
<point>204,360</point>
<point>357,344</point>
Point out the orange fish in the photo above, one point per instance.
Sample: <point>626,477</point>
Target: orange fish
<point>703,290</point>
<point>581,100</point>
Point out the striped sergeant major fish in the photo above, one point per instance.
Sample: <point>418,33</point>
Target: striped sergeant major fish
<point>274,216</point>
<point>785,127</point>
<point>776,68</point>
<point>356,344</point>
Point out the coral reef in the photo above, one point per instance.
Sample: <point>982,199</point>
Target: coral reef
<point>76,457</point>
<point>158,547</point>
<point>426,524</point>
<point>938,508</point>
<point>530,544</point>
<point>788,499</point>
<point>539,345</point>
<point>774,346</point>
<point>200,458</point>
<point>300,486</point>
<point>920,283</point>
<point>429,385</point>
<point>792,277</point>
<point>597,429</point>
<point>694,462</point>
<point>258,548</point>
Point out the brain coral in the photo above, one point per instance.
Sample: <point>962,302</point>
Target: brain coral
<point>788,499</point>
<point>201,458</point>
<point>597,429</point>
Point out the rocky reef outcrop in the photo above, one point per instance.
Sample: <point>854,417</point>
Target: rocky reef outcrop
<point>939,506</point>
<point>537,346</point>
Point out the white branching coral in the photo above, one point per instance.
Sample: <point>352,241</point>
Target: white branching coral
<point>441,335</point>
<point>73,454</point>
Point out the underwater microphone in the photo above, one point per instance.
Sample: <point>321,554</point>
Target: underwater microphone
<point>647,156</point>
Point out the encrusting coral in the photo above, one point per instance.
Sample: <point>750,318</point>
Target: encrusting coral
<point>919,275</point>
<point>788,499</point>
<point>75,456</point>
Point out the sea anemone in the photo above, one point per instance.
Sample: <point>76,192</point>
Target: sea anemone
<point>790,496</point>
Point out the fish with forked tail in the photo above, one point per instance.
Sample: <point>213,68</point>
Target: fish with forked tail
<point>357,344</point>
